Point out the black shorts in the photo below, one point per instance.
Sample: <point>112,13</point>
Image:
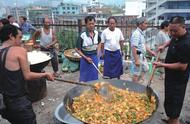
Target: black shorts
<point>19,111</point>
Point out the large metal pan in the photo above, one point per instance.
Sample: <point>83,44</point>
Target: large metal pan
<point>64,116</point>
<point>35,65</point>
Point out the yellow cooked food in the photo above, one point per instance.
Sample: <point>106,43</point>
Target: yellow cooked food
<point>124,107</point>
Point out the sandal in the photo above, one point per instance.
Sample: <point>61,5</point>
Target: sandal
<point>161,77</point>
<point>57,75</point>
<point>165,119</point>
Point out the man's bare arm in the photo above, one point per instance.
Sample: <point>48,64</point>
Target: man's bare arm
<point>150,51</point>
<point>121,44</point>
<point>161,48</point>
<point>134,51</point>
<point>175,66</point>
<point>85,57</point>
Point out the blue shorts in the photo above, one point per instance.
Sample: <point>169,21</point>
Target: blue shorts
<point>138,70</point>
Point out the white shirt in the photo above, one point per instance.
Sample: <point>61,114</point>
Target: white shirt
<point>111,39</point>
<point>45,39</point>
<point>16,24</point>
<point>161,39</point>
<point>88,43</point>
<point>138,41</point>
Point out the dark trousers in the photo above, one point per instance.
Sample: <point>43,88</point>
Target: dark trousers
<point>54,59</point>
<point>174,96</point>
<point>19,111</point>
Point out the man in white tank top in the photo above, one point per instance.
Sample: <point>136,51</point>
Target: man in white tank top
<point>47,41</point>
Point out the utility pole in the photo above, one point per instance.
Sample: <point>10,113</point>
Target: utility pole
<point>156,19</point>
<point>16,11</point>
<point>53,20</point>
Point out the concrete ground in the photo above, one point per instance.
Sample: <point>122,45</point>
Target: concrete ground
<point>45,107</point>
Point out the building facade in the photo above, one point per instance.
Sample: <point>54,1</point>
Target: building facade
<point>160,10</point>
<point>16,12</point>
<point>66,8</point>
<point>34,13</point>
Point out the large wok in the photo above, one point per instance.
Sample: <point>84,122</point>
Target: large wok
<point>37,66</point>
<point>64,116</point>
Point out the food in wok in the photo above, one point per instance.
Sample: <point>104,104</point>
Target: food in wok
<point>124,107</point>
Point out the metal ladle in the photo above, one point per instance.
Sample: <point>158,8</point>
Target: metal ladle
<point>105,86</point>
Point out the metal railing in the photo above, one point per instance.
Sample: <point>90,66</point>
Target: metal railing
<point>67,32</point>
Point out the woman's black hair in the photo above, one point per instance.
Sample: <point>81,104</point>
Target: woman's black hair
<point>23,17</point>
<point>111,17</point>
<point>89,18</point>
<point>4,21</point>
<point>6,31</point>
<point>9,16</point>
<point>164,24</point>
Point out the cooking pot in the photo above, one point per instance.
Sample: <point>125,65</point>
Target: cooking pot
<point>35,64</point>
<point>37,89</point>
<point>65,116</point>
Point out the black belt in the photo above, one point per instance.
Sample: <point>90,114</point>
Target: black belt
<point>138,52</point>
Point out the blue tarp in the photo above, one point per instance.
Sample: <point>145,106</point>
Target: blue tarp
<point>68,65</point>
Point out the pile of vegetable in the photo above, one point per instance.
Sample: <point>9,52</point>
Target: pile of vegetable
<point>124,107</point>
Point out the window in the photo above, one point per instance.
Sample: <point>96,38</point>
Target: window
<point>178,5</point>
<point>68,8</point>
<point>188,17</point>
<point>161,17</point>
<point>63,8</point>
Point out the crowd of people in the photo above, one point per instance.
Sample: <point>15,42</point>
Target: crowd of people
<point>172,34</point>
<point>173,41</point>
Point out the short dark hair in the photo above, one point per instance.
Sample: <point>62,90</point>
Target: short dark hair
<point>89,18</point>
<point>43,19</point>
<point>9,16</point>
<point>140,20</point>
<point>177,20</point>
<point>164,24</point>
<point>6,30</point>
<point>4,21</point>
<point>24,18</point>
<point>111,17</point>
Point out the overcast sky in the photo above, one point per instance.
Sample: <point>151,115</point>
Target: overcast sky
<point>26,2</point>
<point>105,1</point>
